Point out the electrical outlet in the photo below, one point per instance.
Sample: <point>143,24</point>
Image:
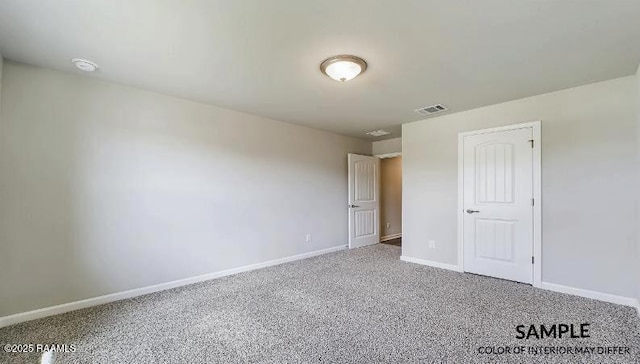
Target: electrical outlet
<point>432,244</point>
<point>308,238</point>
<point>388,225</point>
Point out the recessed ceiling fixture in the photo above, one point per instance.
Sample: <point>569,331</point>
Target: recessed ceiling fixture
<point>84,65</point>
<point>377,133</point>
<point>344,67</point>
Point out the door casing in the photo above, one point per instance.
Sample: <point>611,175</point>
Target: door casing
<point>537,193</point>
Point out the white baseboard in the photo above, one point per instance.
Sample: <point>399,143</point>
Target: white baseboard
<point>431,263</point>
<point>390,237</point>
<point>95,301</point>
<point>600,296</point>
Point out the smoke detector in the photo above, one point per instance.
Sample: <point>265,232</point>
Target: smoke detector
<point>432,109</point>
<point>378,133</point>
<point>84,65</point>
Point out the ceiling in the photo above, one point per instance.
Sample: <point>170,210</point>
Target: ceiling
<point>263,57</point>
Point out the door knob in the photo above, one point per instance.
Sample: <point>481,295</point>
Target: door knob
<point>469,211</point>
<point>353,206</point>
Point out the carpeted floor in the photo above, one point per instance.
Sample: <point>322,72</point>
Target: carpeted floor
<point>359,306</point>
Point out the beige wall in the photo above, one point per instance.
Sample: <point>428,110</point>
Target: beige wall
<point>1,66</point>
<point>588,143</point>
<point>391,195</point>
<point>106,188</point>
<point>387,146</point>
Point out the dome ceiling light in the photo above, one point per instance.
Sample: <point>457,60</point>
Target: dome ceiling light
<point>343,68</point>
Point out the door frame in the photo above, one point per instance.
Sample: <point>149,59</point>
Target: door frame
<point>388,155</point>
<point>537,193</point>
<point>385,156</point>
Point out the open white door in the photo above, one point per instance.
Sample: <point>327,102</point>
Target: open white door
<point>364,200</point>
<point>498,204</point>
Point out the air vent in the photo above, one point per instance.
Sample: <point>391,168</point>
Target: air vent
<point>377,133</point>
<point>429,110</point>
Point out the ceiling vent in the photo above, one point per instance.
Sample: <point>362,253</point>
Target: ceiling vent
<point>378,133</point>
<point>432,109</point>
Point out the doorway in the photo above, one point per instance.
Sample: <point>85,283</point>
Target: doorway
<point>375,199</point>
<point>499,208</point>
<point>391,200</point>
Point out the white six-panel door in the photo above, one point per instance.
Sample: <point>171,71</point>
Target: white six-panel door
<point>364,200</point>
<point>498,204</point>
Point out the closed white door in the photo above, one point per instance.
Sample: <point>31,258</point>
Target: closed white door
<point>498,204</point>
<point>364,200</point>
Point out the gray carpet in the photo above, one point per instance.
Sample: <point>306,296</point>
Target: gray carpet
<point>360,306</point>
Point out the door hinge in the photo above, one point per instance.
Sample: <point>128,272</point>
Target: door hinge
<point>531,141</point>
<point>533,202</point>
<point>532,260</point>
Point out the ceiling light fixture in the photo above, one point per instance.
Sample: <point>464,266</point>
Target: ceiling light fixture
<point>84,65</point>
<point>344,67</point>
